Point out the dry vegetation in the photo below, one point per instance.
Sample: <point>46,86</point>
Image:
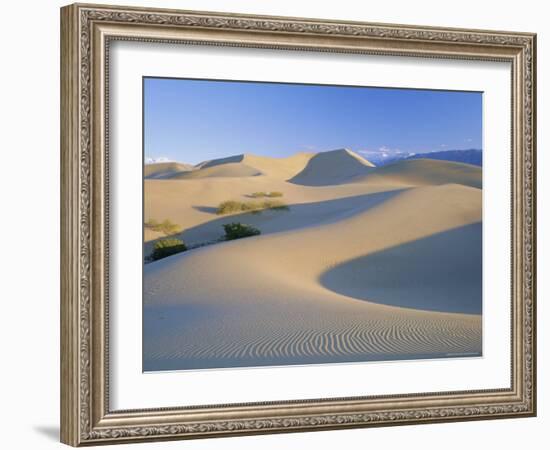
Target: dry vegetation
<point>166,227</point>
<point>266,194</point>
<point>232,206</point>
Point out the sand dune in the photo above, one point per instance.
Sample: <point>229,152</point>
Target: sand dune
<point>421,172</point>
<point>165,170</point>
<point>281,168</point>
<point>278,168</point>
<point>300,216</point>
<point>243,165</point>
<point>257,302</point>
<point>437,266</point>
<point>192,203</point>
<point>219,161</point>
<point>333,167</point>
<point>227,170</point>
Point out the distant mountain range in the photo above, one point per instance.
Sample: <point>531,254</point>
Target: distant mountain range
<point>469,156</point>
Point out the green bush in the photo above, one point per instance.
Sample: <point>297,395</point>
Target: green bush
<point>167,247</point>
<point>275,194</point>
<point>232,206</point>
<point>166,226</point>
<point>239,230</point>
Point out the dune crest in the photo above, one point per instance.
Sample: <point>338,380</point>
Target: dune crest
<point>281,168</point>
<point>219,161</point>
<point>165,170</point>
<point>332,167</point>
<point>226,170</point>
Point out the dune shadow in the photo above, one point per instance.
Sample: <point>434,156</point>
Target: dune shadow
<point>206,209</point>
<point>297,216</point>
<point>441,272</point>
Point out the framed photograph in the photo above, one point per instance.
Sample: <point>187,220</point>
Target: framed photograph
<point>276,224</point>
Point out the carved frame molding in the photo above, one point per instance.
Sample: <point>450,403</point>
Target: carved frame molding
<point>86,31</point>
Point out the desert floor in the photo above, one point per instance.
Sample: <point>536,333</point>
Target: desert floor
<point>367,264</point>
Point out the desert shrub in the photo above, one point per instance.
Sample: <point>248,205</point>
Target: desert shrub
<point>166,226</point>
<point>151,223</point>
<point>277,205</point>
<point>237,230</point>
<point>167,247</point>
<point>266,194</point>
<point>232,206</point>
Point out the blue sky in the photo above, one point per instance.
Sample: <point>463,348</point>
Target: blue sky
<point>196,120</point>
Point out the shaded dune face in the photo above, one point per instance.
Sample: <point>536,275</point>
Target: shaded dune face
<point>220,161</point>
<point>334,167</point>
<point>282,298</point>
<point>441,272</point>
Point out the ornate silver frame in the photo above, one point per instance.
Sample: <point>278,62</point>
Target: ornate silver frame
<point>86,31</point>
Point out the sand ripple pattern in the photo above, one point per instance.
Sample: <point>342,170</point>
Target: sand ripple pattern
<point>233,339</point>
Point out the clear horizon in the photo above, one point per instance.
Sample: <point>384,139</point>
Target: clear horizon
<point>196,120</point>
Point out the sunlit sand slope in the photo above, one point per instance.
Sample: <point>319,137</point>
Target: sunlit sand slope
<point>420,172</point>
